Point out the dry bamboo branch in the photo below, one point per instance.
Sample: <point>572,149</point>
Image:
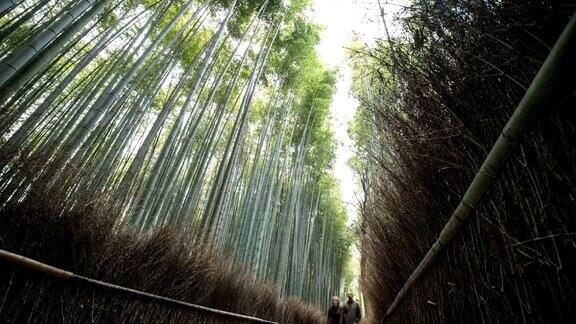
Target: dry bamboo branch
<point>66,275</point>
<point>537,95</point>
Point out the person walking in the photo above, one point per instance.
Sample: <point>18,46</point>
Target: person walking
<point>335,315</point>
<point>351,310</point>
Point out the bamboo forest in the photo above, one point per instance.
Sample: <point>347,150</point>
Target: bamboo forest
<point>287,161</point>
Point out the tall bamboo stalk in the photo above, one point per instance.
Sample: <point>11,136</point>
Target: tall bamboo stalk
<point>26,52</point>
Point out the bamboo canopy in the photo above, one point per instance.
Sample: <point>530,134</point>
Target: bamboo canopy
<point>542,87</point>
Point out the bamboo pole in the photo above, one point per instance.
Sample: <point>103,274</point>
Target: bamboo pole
<point>51,271</point>
<point>546,81</point>
<point>6,5</point>
<point>25,52</point>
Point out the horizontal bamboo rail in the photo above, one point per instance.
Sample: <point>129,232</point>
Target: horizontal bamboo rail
<point>51,271</point>
<point>542,87</point>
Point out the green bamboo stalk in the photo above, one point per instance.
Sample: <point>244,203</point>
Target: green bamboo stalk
<point>542,87</point>
<point>59,45</point>
<point>25,52</point>
<point>18,20</point>
<point>7,5</point>
<point>16,140</point>
<point>108,98</point>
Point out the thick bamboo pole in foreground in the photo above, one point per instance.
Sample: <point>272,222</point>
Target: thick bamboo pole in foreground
<point>537,95</point>
<point>67,275</point>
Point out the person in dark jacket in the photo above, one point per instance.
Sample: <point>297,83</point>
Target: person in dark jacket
<point>351,311</point>
<point>335,315</point>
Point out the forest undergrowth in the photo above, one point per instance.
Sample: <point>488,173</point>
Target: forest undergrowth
<point>433,102</point>
<point>165,261</point>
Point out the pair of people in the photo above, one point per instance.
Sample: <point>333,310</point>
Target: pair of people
<point>349,313</point>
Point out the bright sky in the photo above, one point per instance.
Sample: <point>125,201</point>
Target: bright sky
<point>342,19</point>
